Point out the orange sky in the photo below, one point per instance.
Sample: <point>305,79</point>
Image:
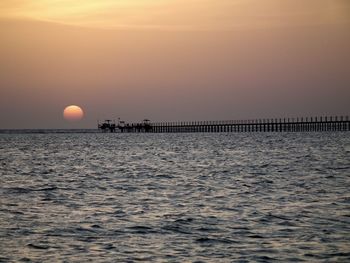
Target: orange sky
<point>172,60</point>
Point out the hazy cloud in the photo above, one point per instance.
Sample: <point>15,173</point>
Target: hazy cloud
<point>181,14</point>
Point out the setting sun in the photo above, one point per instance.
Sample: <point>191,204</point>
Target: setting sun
<point>73,113</point>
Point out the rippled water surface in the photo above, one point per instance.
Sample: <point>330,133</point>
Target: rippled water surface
<point>175,197</point>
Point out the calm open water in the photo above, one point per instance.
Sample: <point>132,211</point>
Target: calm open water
<point>257,197</point>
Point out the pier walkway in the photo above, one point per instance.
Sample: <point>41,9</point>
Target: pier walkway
<point>308,124</point>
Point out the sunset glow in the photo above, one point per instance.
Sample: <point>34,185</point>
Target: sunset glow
<point>179,14</point>
<point>170,60</point>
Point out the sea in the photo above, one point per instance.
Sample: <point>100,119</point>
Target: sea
<point>83,196</point>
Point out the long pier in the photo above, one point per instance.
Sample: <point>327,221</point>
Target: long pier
<point>308,124</point>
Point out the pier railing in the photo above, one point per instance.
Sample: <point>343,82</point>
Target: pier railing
<point>304,124</point>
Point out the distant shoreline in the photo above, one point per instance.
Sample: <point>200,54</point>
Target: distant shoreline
<point>46,131</point>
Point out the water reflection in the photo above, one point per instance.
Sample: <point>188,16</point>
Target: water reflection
<point>174,197</point>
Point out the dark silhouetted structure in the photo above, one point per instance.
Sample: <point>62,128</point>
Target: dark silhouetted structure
<point>308,124</point>
<point>107,126</point>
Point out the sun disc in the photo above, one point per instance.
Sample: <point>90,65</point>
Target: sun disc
<point>73,113</point>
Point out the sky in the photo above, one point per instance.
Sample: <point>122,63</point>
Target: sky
<point>172,60</point>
